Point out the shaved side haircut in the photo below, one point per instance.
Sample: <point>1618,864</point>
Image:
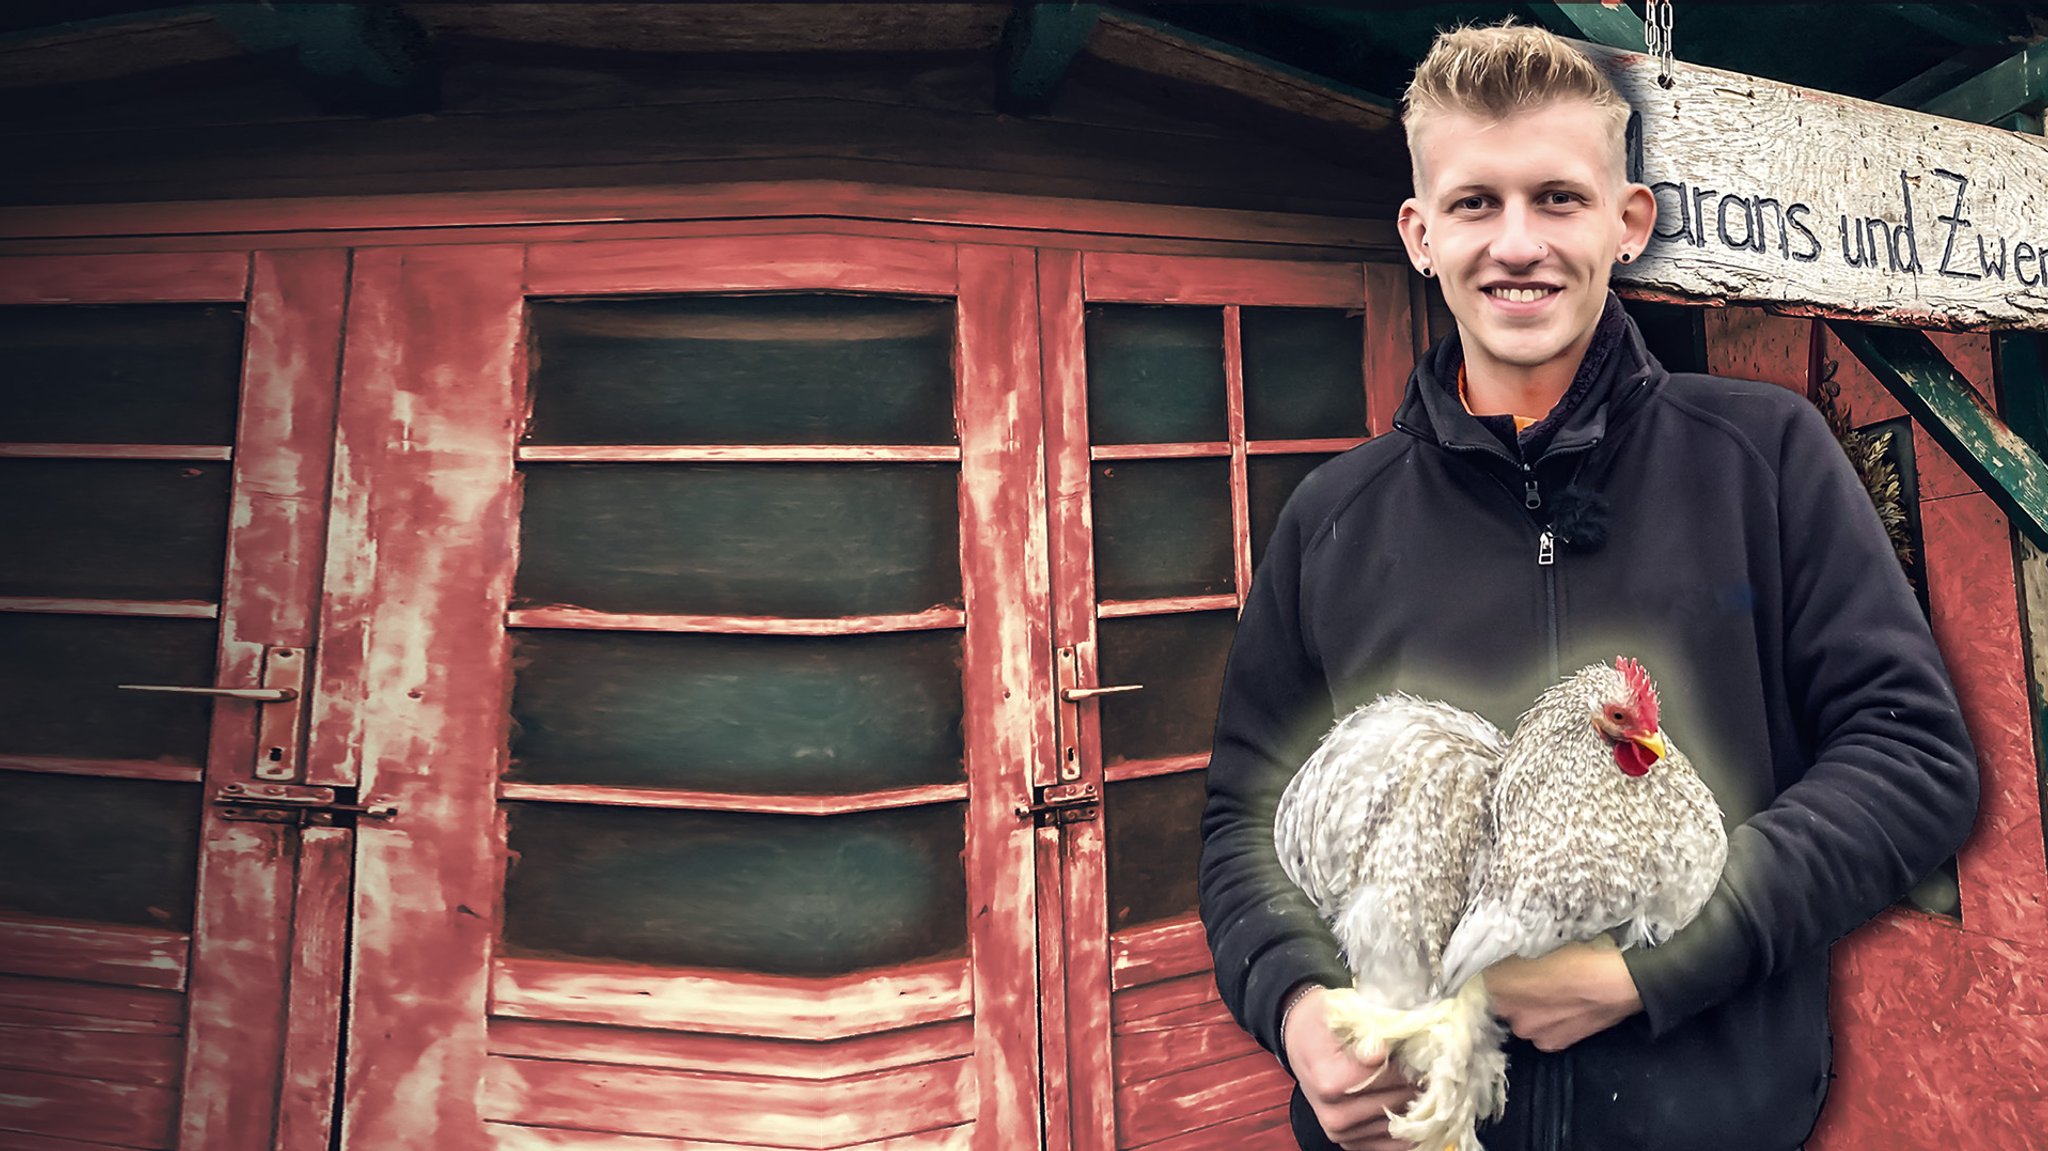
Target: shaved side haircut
<point>1495,71</point>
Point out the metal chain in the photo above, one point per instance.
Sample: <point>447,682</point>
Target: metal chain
<point>1657,35</point>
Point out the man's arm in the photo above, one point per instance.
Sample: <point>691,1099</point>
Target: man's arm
<point>1266,936</point>
<point>1893,787</point>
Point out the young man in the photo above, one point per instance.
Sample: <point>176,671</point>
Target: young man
<point>1552,497</point>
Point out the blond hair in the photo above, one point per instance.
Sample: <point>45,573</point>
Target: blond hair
<point>1497,70</point>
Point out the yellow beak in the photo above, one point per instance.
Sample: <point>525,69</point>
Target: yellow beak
<point>1653,743</point>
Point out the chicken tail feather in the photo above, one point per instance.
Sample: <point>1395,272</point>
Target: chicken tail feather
<point>1451,1049</point>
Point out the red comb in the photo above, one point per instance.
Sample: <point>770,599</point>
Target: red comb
<point>1639,685</point>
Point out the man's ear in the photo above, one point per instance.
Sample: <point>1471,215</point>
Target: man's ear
<point>1638,217</point>
<point>1414,231</point>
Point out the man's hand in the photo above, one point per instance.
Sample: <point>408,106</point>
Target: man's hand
<point>1350,1096</point>
<point>1578,990</point>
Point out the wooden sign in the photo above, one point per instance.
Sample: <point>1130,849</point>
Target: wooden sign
<point>1818,204</point>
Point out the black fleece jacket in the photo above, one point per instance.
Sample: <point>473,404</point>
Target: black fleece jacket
<point>1736,554</point>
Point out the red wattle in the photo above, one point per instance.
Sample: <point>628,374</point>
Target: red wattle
<point>1633,758</point>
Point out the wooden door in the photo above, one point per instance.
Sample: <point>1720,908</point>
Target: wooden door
<point>1185,399</point>
<point>699,663</point>
<point>166,968</point>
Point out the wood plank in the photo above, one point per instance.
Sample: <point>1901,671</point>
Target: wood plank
<point>1818,204</point>
<point>1152,999</point>
<point>769,1007</point>
<point>423,542</point>
<point>89,1006</point>
<point>117,1057</point>
<point>1390,349</point>
<point>95,953</point>
<point>1140,279</point>
<point>1149,954</point>
<point>241,941</point>
<point>1300,447</point>
<point>128,1114</point>
<point>124,279</point>
<point>786,263</point>
<point>23,1141</point>
<point>318,985</point>
<point>1161,49</point>
<point>1159,451</point>
<point>588,620</point>
<point>1147,768</point>
<point>732,1055</point>
<point>1072,929</point>
<point>1155,1052</point>
<point>162,609</point>
<point>114,452</point>
<point>726,453</point>
<point>1006,676</point>
<point>1233,419</point>
<point>1260,1131</point>
<point>1158,1109</point>
<point>731,1108</point>
<point>107,768</point>
<point>1119,608</point>
<point>829,200</point>
<point>722,801</point>
<point>513,1137</point>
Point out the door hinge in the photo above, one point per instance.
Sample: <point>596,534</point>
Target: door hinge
<point>296,804</point>
<point>1062,803</point>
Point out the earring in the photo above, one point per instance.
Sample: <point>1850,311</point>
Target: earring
<point>1627,256</point>
<point>1428,273</point>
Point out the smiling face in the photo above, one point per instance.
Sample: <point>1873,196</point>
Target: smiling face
<point>1521,220</point>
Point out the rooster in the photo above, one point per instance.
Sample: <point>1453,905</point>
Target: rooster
<point>1435,847</point>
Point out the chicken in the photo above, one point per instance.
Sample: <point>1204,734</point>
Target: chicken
<point>1435,847</point>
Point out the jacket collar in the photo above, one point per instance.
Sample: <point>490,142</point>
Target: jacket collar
<point>1613,382</point>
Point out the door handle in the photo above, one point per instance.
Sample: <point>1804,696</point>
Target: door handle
<point>277,728</point>
<point>1077,694</point>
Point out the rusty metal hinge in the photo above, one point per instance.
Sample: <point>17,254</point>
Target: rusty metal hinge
<point>1062,804</point>
<point>296,804</point>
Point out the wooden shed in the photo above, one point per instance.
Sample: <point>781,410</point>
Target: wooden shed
<point>707,535</point>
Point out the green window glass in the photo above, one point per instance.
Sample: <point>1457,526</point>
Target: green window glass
<point>107,850</point>
<point>1153,832</point>
<point>1162,528</point>
<point>1269,481</point>
<point>744,714</point>
<point>779,894</point>
<point>120,374</point>
<point>1304,373</point>
<point>770,369</point>
<point>113,529</point>
<point>1155,374</point>
<point>804,540</point>
<point>58,695</point>
<point>1179,658</point>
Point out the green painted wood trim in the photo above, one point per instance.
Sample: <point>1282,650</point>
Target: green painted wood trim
<point>1961,23</point>
<point>2020,365</point>
<point>1615,27</point>
<point>2008,468</point>
<point>1040,42</point>
<point>2018,82</point>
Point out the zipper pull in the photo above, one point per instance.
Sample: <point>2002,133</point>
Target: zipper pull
<point>1546,549</point>
<point>1531,498</point>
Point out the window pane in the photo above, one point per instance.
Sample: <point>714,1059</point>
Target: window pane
<point>1270,480</point>
<point>1155,374</point>
<point>58,693</point>
<point>1162,528</point>
<point>1154,832</point>
<point>1179,658</point>
<point>113,529</point>
<point>782,894</point>
<point>742,539</point>
<point>1304,373</point>
<point>107,850</point>
<point>760,715</point>
<point>809,369</point>
<point>126,374</point>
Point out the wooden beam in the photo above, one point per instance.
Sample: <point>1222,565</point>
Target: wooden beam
<point>1940,399</point>
<point>1162,49</point>
<point>1616,26</point>
<point>1961,23</point>
<point>1040,42</point>
<point>361,58</point>
<point>2018,82</point>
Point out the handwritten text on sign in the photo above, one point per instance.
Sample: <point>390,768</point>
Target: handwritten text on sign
<point>1813,202</point>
